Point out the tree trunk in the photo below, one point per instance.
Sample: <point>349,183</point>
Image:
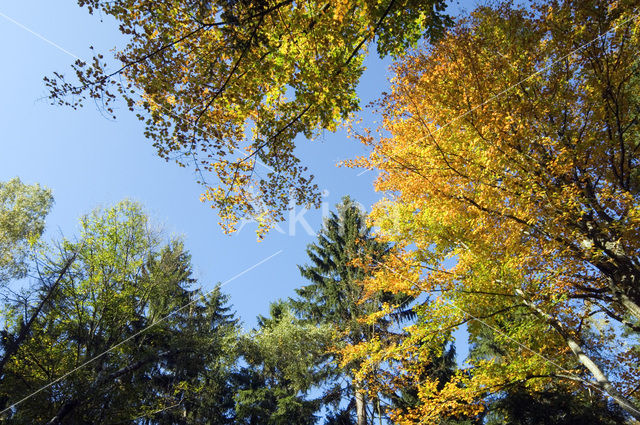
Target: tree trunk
<point>602,381</point>
<point>361,407</point>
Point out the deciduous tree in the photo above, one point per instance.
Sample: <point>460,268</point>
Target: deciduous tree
<point>226,86</point>
<point>510,149</point>
<point>23,209</point>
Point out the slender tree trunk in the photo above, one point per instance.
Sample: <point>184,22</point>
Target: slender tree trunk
<point>13,345</point>
<point>602,381</point>
<point>361,407</point>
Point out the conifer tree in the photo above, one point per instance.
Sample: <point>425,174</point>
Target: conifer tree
<point>122,338</point>
<point>334,293</point>
<point>286,360</point>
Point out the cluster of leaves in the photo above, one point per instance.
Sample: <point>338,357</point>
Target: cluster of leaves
<point>296,349</point>
<point>226,86</point>
<point>183,360</point>
<point>22,212</point>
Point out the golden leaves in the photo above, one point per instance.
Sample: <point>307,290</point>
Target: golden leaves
<point>501,182</point>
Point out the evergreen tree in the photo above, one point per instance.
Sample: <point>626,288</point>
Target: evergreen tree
<point>555,405</point>
<point>195,381</point>
<point>286,361</point>
<point>334,295</point>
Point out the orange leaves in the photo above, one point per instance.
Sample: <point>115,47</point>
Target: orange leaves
<point>510,200</point>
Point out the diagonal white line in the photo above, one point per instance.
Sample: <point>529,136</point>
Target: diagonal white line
<point>557,61</point>
<point>62,49</point>
<point>480,321</point>
<point>40,36</point>
<point>124,341</point>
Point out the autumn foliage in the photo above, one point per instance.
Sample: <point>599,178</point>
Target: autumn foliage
<point>509,156</point>
<point>224,87</point>
<point>508,160</point>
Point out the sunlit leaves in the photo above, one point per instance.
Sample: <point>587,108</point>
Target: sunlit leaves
<point>510,150</point>
<point>22,212</point>
<point>226,86</point>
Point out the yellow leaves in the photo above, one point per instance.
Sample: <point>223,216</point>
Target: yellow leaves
<point>495,202</point>
<point>152,104</point>
<point>340,9</point>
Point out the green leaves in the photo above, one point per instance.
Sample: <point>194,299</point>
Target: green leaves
<point>23,209</point>
<point>287,360</point>
<point>118,316</point>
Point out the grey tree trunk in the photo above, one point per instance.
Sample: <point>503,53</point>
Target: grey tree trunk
<point>602,381</point>
<point>361,407</point>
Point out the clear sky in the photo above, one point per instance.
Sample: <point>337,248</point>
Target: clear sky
<point>88,160</point>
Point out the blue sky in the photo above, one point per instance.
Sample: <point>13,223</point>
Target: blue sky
<point>89,161</point>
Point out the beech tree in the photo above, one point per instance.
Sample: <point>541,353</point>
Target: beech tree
<point>553,404</point>
<point>225,86</point>
<point>510,149</point>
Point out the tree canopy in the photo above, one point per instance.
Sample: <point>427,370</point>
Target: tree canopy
<point>23,209</point>
<point>509,160</point>
<point>510,154</point>
<point>226,86</point>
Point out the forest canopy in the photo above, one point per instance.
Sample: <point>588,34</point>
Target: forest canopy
<point>508,223</point>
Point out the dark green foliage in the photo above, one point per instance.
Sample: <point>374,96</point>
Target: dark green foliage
<point>342,416</point>
<point>334,294</point>
<point>196,379</point>
<point>556,406</point>
<point>261,403</point>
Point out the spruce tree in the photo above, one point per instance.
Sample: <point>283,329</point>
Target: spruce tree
<point>333,296</point>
